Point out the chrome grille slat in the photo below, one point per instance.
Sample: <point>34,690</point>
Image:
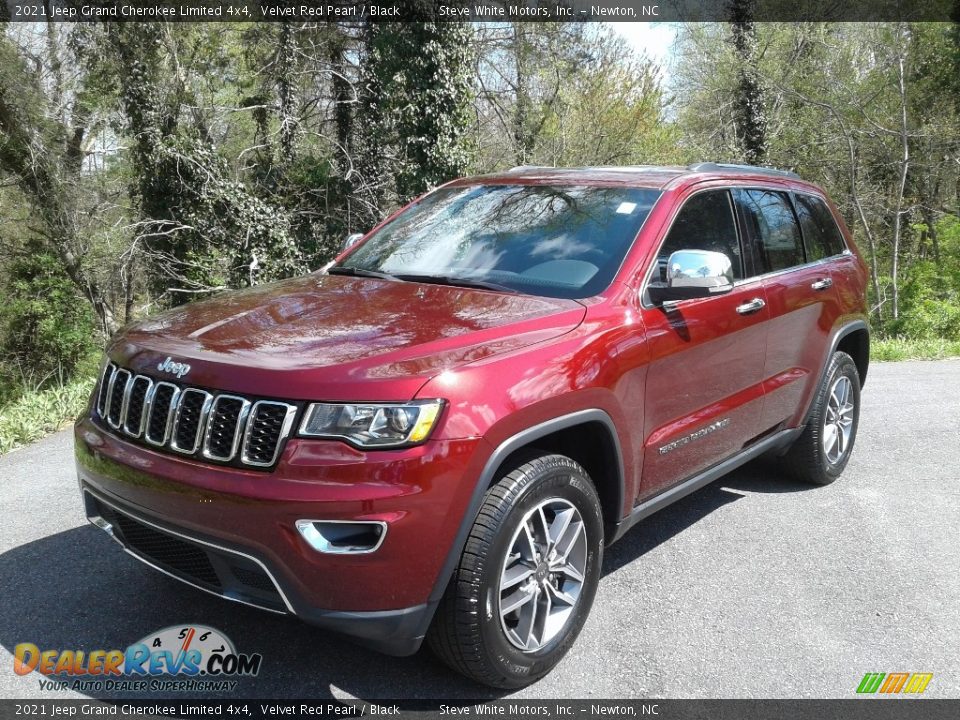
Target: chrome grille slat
<point>105,379</point>
<point>188,420</point>
<point>117,398</point>
<point>218,427</point>
<point>268,424</point>
<point>163,401</point>
<point>225,424</point>
<point>136,404</point>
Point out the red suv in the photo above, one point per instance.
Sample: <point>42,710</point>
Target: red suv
<point>436,436</point>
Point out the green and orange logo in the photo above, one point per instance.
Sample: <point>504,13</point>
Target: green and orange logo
<point>894,683</point>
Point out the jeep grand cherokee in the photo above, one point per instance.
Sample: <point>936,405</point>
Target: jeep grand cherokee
<point>436,436</point>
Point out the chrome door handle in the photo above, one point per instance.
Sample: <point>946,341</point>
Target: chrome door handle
<point>822,284</point>
<point>748,308</point>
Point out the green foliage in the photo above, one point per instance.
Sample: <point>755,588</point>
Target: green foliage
<point>37,414</point>
<point>46,328</point>
<point>608,112</point>
<point>898,348</point>
<point>930,293</point>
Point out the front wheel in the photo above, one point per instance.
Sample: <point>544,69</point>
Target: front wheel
<point>822,451</point>
<point>527,576</point>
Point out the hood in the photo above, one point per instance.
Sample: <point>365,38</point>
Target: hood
<point>337,337</point>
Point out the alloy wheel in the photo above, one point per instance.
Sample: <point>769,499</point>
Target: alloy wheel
<point>838,420</point>
<point>542,574</point>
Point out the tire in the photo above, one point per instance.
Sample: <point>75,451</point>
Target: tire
<point>822,451</point>
<point>474,630</point>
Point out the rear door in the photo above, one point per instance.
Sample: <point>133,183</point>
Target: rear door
<point>789,248</point>
<point>704,392</point>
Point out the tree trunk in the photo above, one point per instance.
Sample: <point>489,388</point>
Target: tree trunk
<point>750,113</point>
<point>523,142</point>
<point>899,210</point>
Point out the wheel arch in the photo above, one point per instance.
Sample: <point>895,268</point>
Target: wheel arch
<point>852,338</point>
<point>578,430</point>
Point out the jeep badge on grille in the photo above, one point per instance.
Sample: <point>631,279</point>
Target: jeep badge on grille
<point>174,368</point>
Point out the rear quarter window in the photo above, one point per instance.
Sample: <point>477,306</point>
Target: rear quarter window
<point>820,232</point>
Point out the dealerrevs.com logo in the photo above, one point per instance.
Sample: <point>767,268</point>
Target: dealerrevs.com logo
<point>187,658</point>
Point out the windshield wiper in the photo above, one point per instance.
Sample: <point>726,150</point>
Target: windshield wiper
<point>360,272</point>
<point>455,282</point>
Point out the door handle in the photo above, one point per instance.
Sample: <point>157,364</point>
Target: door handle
<point>822,284</point>
<point>748,308</point>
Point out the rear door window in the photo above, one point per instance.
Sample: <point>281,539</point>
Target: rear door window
<point>821,235</point>
<point>773,227</point>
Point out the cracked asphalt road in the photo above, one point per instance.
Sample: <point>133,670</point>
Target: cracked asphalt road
<point>754,587</point>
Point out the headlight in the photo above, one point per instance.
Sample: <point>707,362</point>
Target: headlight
<point>373,425</point>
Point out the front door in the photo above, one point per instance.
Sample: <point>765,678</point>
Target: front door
<point>704,389</point>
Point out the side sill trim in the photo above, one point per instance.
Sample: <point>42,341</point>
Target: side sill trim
<point>192,539</point>
<point>681,490</point>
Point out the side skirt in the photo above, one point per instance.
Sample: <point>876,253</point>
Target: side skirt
<point>778,441</point>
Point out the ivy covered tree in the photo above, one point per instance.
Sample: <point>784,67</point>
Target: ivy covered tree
<point>415,111</point>
<point>749,111</point>
<point>202,228</point>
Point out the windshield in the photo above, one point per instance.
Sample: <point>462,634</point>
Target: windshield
<point>564,242</point>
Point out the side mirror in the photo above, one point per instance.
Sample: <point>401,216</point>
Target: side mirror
<point>693,274</point>
<point>351,240</point>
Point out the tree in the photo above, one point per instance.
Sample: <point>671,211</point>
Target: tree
<point>750,110</point>
<point>565,94</point>
<point>414,111</point>
<point>45,118</point>
<point>867,110</point>
<point>201,229</point>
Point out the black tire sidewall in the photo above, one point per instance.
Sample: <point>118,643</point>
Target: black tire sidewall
<point>567,483</point>
<point>842,366</point>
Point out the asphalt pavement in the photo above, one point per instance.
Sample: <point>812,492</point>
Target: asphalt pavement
<point>754,587</point>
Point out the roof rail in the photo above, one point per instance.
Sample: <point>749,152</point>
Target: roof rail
<point>520,168</point>
<point>731,167</point>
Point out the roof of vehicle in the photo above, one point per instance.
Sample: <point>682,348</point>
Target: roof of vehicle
<point>652,176</point>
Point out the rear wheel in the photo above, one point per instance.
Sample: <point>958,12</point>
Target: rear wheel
<point>527,576</point>
<point>822,451</point>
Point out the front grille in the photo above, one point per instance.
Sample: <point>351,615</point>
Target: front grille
<point>192,421</point>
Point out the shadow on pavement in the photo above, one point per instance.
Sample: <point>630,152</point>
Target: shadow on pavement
<point>79,590</point>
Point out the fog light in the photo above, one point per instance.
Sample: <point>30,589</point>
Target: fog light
<point>343,537</point>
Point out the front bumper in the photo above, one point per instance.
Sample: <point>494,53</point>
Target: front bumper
<point>232,531</point>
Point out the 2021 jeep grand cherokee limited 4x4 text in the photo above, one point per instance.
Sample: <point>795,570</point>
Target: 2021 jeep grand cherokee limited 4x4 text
<point>436,436</point>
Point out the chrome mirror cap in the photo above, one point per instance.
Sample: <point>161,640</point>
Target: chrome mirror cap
<point>699,269</point>
<point>351,240</point>
<point>692,274</point>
